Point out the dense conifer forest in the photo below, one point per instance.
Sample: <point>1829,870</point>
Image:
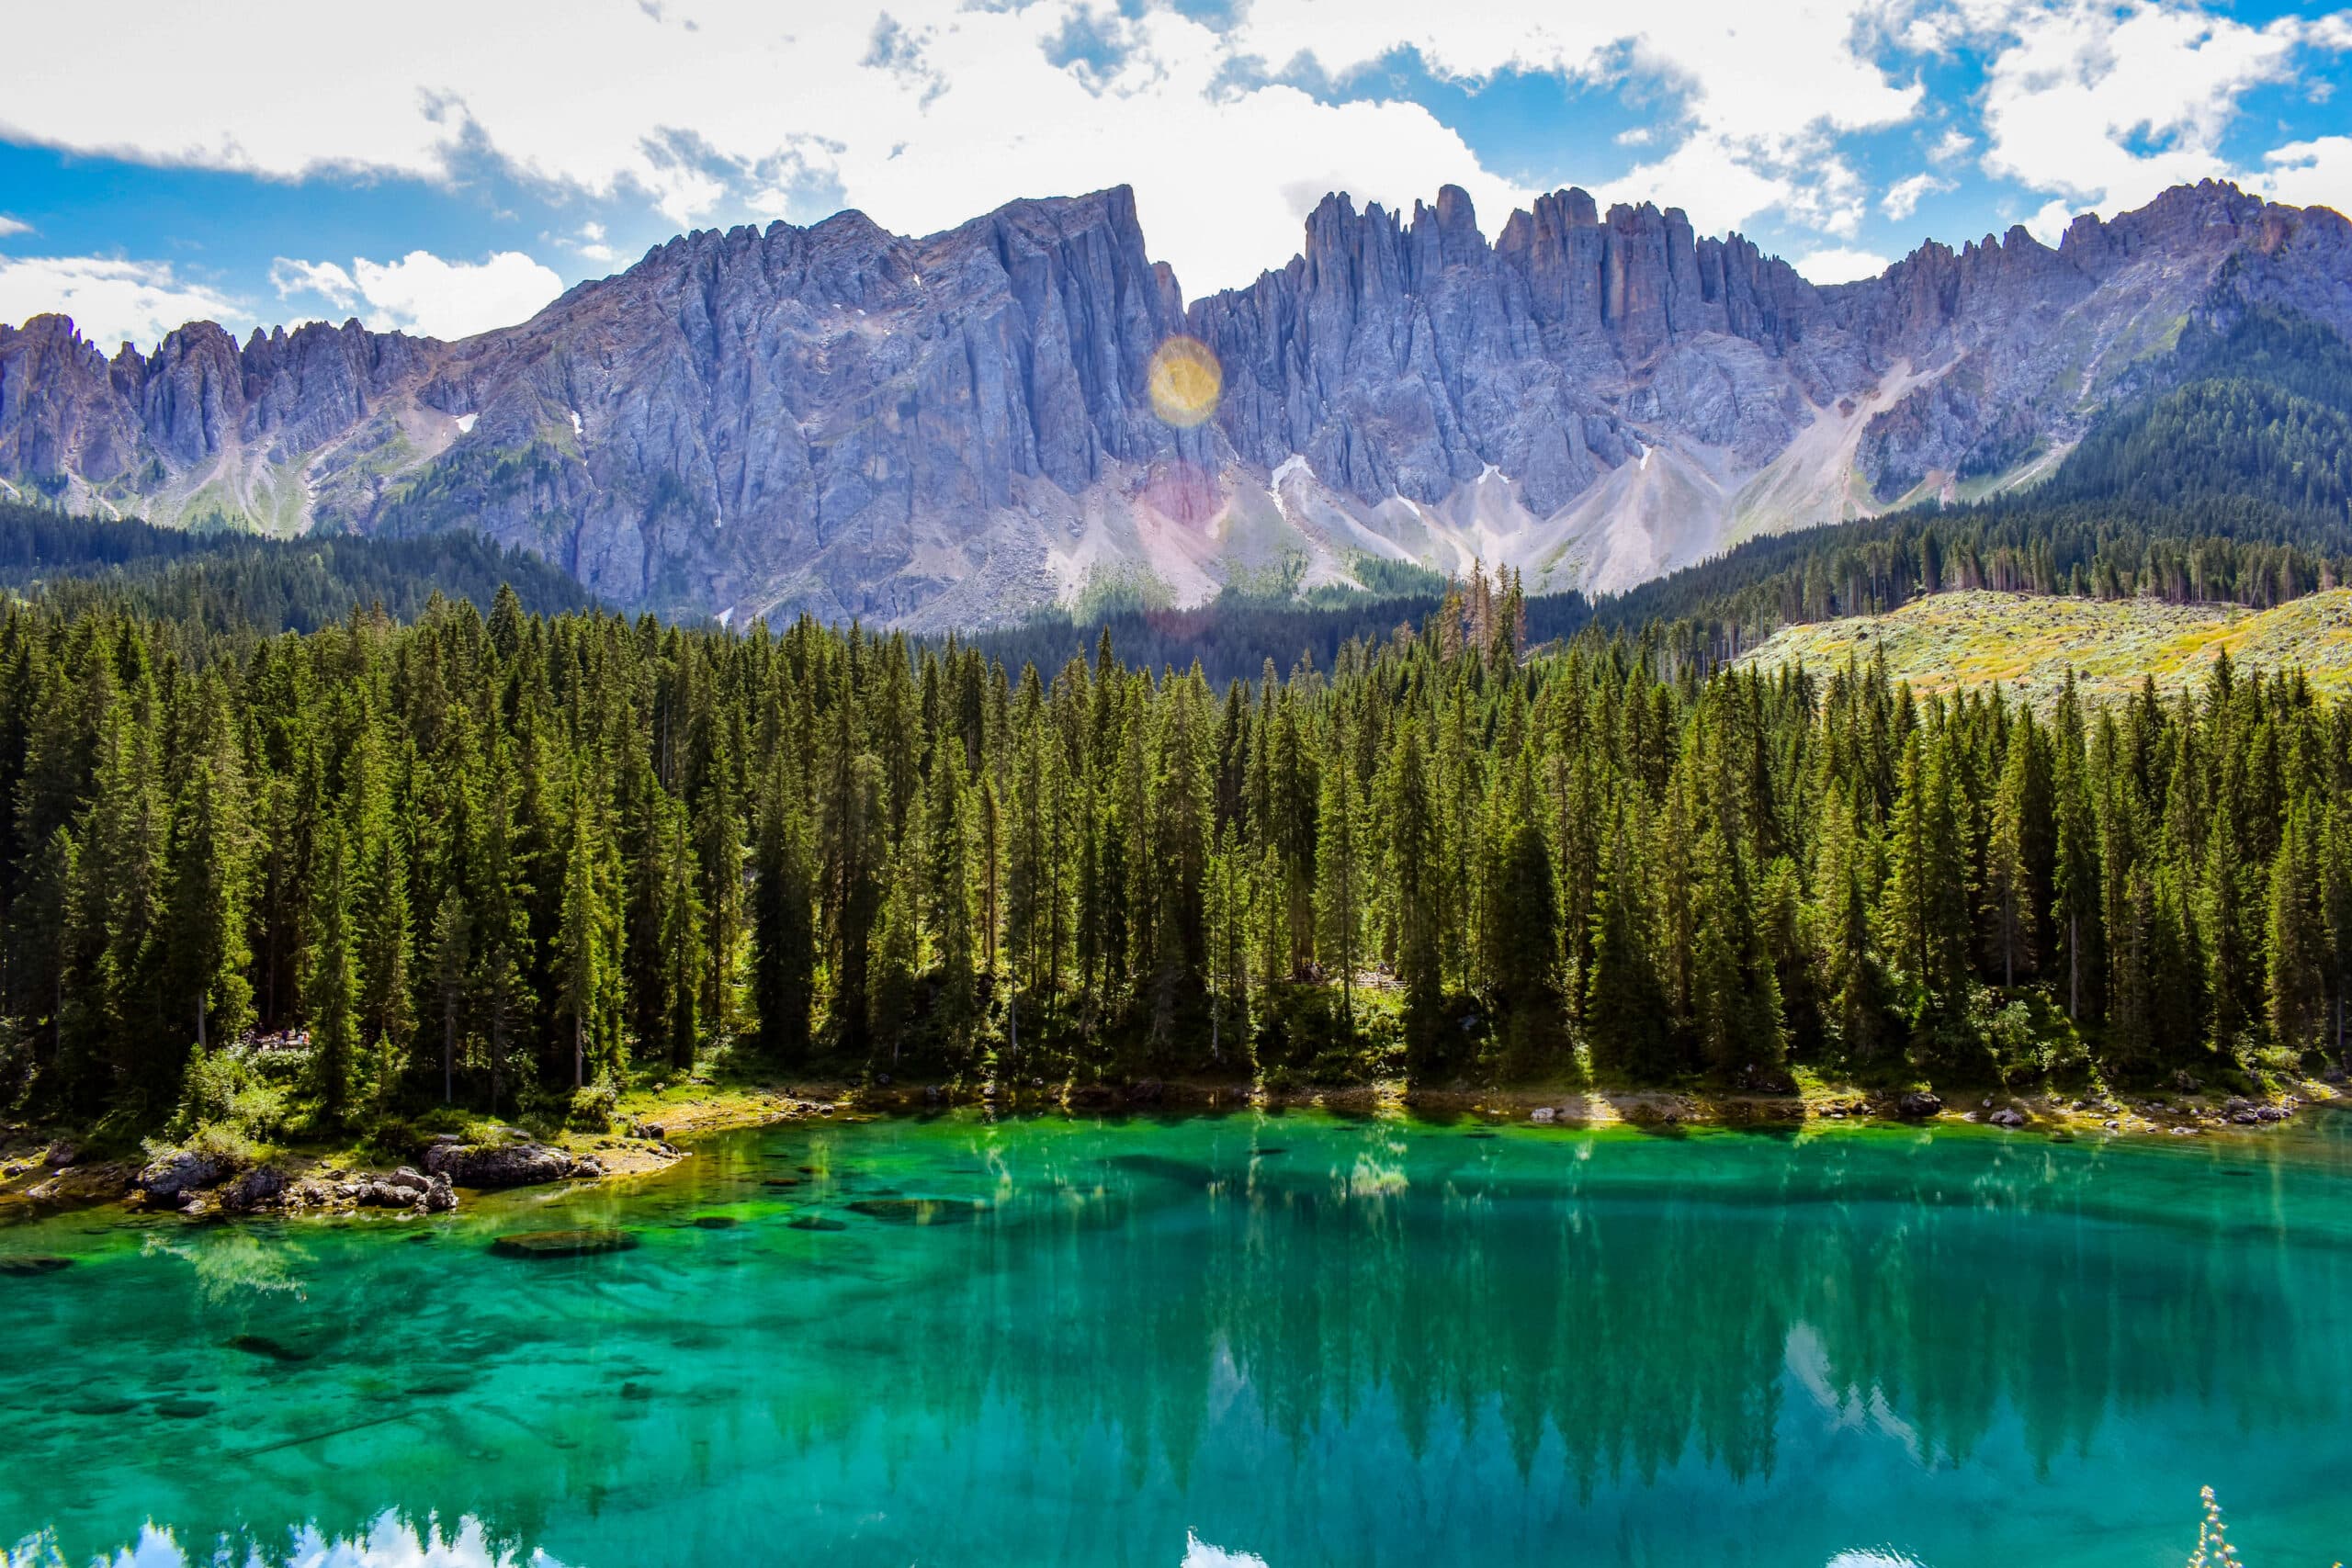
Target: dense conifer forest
<point>235,586</point>
<point>297,836</point>
<point>514,859</point>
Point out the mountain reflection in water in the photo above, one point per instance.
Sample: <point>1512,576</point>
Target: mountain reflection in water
<point>1148,1344</point>
<point>391,1542</point>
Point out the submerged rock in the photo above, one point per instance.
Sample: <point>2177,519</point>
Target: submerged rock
<point>26,1265</point>
<point>716,1221</point>
<point>275,1350</point>
<point>1184,1172</point>
<point>919,1211</point>
<point>563,1244</point>
<point>815,1222</point>
<point>183,1409</point>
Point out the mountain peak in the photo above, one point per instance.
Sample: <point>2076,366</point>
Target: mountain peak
<point>958,428</point>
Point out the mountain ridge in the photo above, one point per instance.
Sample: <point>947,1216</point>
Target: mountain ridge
<point>955,429</point>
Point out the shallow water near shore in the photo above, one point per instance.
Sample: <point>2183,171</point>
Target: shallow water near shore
<point>1280,1339</point>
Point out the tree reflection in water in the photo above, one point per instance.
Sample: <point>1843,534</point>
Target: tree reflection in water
<point>1387,1343</point>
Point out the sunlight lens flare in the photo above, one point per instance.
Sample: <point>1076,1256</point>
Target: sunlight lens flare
<point>1186,381</point>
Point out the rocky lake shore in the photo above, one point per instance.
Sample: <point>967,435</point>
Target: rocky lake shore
<point>44,1169</point>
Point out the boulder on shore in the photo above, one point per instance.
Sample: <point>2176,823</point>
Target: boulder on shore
<point>488,1165</point>
<point>174,1175</point>
<point>1918,1105</point>
<point>260,1187</point>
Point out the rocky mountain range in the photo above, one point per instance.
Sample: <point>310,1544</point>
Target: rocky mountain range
<point>959,429</point>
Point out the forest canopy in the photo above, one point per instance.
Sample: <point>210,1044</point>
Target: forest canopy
<point>524,856</point>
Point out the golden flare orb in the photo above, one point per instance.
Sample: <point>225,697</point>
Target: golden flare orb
<point>1186,381</point>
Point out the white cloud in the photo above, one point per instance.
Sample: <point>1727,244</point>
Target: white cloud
<point>1950,147</point>
<point>2106,105</point>
<point>325,279</point>
<point>12,226</point>
<point>1903,198</point>
<point>110,299</point>
<point>1840,265</point>
<point>925,112</point>
<point>2309,174</point>
<point>1750,143</point>
<point>591,244</point>
<point>2049,223</point>
<point>423,293</point>
<point>768,110</point>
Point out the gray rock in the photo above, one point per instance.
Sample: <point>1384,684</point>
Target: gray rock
<point>491,1166</point>
<point>2006,1117</point>
<point>1918,1105</point>
<point>171,1177</point>
<point>260,1187</point>
<point>843,420</point>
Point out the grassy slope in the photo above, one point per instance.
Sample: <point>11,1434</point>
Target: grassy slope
<point>1950,640</point>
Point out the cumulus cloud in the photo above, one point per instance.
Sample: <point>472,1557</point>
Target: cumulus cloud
<point>1903,198</point>
<point>923,111</point>
<point>325,279</point>
<point>1744,141</point>
<point>111,301</point>
<point>591,244</point>
<point>2317,173</point>
<point>2106,105</point>
<point>12,226</point>
<point>1840,265</point>
<point>423,293</point>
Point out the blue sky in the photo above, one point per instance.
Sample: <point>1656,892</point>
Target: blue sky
<point>266,161</point>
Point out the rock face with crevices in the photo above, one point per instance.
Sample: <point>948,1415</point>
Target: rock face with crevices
<point>491,1165</point>
<point>957,429</point>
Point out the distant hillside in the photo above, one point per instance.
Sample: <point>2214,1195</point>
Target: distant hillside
<point>1973,637</point>
<point>228,581</point>
<point>2224,479</point>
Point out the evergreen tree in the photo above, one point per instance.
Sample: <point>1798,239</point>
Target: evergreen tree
<point>784,964</point>
<point>452,960</point>
<point>1924,912</point>
<point>205,902</point>
<point>2298,938</point>
<point>1342,880</point>
<point>331,988</point>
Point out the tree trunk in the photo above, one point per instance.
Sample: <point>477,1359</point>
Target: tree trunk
<point>448,1046</point>
<point>2074,965</point>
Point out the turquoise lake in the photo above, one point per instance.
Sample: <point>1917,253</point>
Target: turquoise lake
<point>1280,1339</point>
